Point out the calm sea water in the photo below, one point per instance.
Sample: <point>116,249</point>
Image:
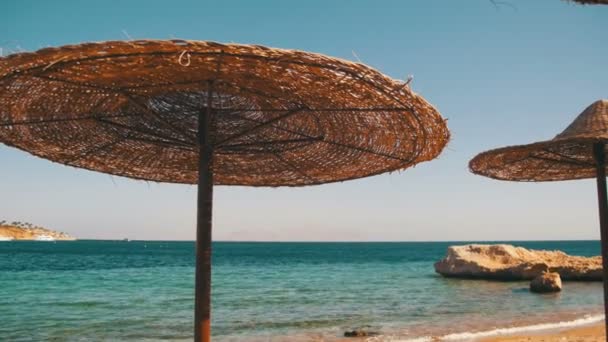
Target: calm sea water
<point>143,290</point>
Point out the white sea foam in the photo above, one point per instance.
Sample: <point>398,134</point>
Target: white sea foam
<point>469,336</point>
<point>384,338</point>
<point>419,339</point>
<point>472,336</point>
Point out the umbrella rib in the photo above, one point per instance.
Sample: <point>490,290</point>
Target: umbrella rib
<point>361,149</point>
<point>95,150</point>
<point>510,162</point>
<point>294,168</point>
<point>127,95</point>
<point>48,67</point>
<point>272,142</point>
<point>331,142</point>
<point>75,83</point>
<point>169,140</point>
<point>181,132</point>
<point>256,92</point>
<point>353,74</point>
<point>305,109</point>
<point>47,121</point>
<point>375,109</point>
<point>574,160</point>
<point>260,126</point>
<point>264,94</point>
<point>155,115</point>
<point>570,162</point>
<point>124,92</point>
<point>222,53</point>
<point>161,143</point>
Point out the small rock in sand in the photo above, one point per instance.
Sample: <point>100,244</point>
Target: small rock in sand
<point>359,333</point>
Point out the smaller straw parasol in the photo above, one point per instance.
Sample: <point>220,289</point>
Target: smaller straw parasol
<point>565,157</point>
<point>578,152</point>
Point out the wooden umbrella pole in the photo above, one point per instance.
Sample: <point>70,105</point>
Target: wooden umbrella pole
<point>202,307</point>
<point>600,158</point>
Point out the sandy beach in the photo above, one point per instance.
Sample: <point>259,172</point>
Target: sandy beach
<point>590,333</point>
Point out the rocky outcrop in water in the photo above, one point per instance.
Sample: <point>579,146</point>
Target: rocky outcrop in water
<point>506,262</point>
<point>546,283</point>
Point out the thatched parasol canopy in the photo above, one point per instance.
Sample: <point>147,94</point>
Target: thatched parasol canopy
<point>567,156</point>
<point>207,113</point>
<point>280,117</point>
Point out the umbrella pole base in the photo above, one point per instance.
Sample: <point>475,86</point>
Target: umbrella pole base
<point>204,331</point>
<point>600,158</point>
<point>202,307</point>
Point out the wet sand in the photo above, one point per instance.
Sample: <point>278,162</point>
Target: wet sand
<point>590,333</point>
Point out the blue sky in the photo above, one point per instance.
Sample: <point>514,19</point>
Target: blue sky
<point>502,75</point>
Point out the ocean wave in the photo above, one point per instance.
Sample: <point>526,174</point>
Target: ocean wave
<point>468,336</point>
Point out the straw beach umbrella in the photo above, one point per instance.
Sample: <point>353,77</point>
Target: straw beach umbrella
<point>576,153</point>
<point>210,114</point>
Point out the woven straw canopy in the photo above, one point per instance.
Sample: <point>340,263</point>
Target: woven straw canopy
<point>278,117</point>
<point>568,156</point>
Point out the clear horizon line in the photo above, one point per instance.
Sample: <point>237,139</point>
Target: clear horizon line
<point>345,241</point>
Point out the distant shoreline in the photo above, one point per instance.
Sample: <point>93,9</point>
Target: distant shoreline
<point>30,233</point>
<point>341,241</point>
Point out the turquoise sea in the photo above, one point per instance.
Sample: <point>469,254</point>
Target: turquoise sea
<point>143,290</point>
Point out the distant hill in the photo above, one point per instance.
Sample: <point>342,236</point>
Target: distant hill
<point>27,231</point>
